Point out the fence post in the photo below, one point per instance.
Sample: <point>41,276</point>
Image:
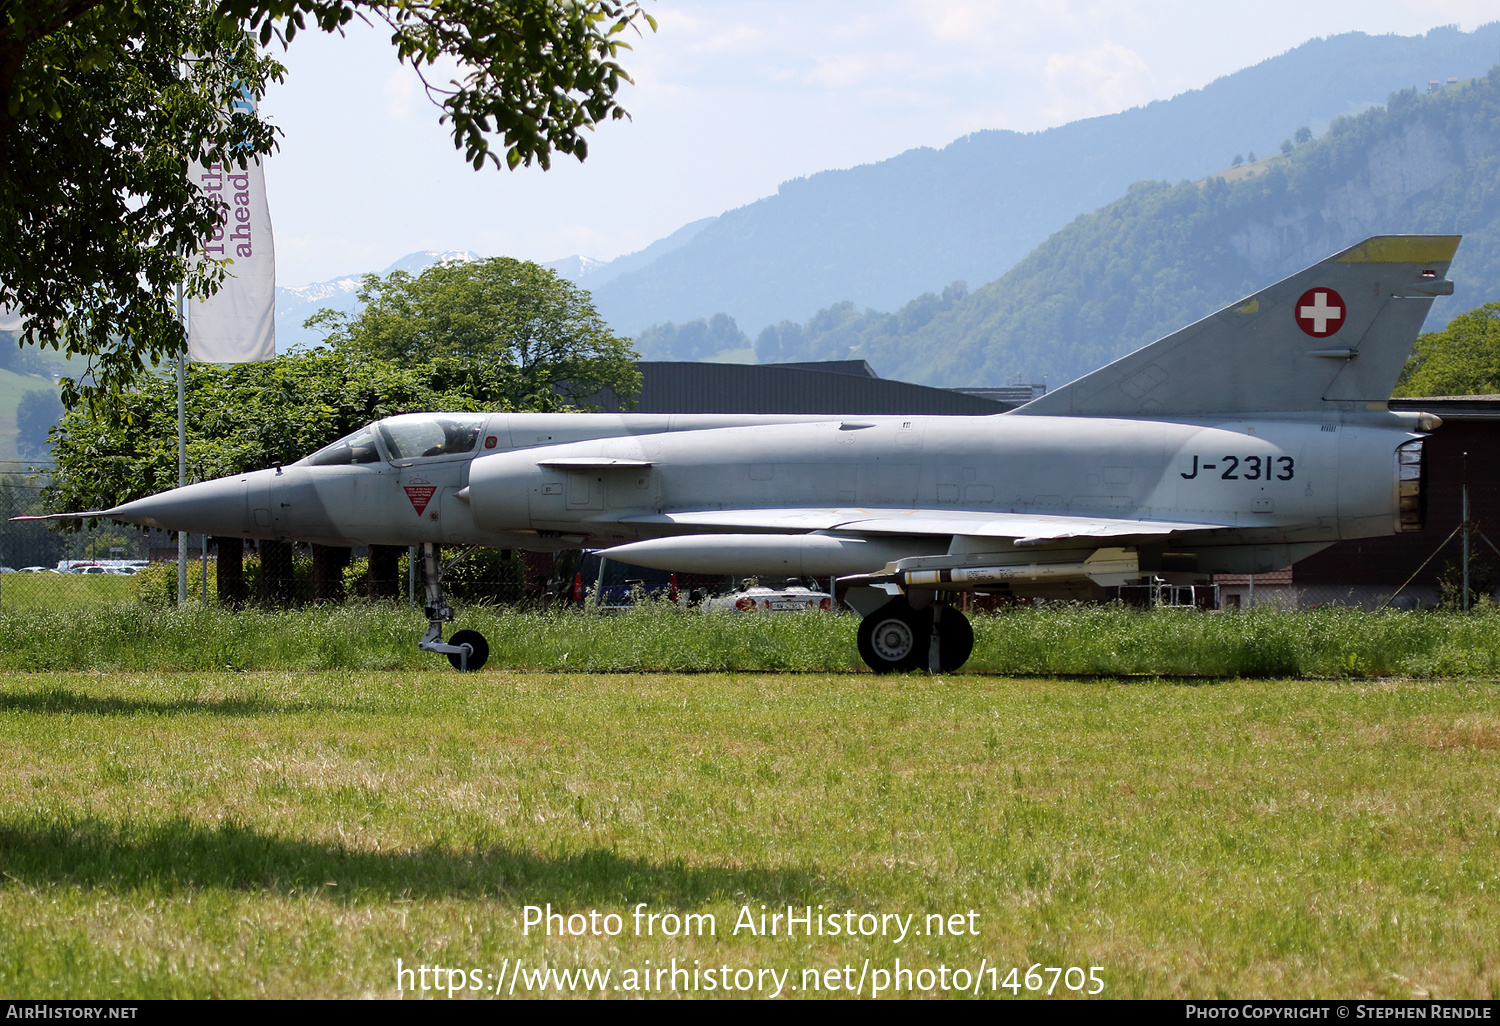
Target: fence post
<point>1466,532</point>
<point>384,581</point>
<point>229,572</point>
<point>328,564</point>
<point>278,586</point>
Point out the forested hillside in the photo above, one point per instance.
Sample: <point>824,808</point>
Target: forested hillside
<point>1164,255</point>
<point>879,234</point>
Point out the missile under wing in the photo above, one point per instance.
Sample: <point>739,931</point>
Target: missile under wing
<point>1240,443</point>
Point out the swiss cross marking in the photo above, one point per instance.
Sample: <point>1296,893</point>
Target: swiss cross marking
<point>1320,312</point>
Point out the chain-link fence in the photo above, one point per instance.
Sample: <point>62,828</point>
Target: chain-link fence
<point>233,572</point>
<point>33,555</point>
<point>44,564</point>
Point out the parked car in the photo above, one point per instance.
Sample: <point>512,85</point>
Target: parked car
<point>788,596</point>
<point>612,586</point>
<point>100,566</point>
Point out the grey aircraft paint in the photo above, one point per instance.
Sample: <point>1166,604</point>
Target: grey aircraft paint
<point>1254,437</point>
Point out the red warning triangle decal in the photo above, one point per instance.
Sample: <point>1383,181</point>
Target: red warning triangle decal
<point>420,495</point>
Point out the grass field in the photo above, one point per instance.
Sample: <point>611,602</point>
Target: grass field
<point>296,833</point>
<point>1053,640</point>
<point>48,592</point>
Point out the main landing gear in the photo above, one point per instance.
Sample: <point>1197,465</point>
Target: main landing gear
<point>466,650</point>
<point>898,637</point>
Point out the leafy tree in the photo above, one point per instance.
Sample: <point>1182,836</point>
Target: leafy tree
<point>840,332</point>
<point>27,359</point>
<point>240,417</point>
<point>96,209</point>
<point>1462,359</point>
<point>444,341</point>
<point>37,413</point>
<point>1303,136</point>
<point>696,340</point>
<point>534,337</point>
<point>106,101</point>
<point>1239,158</point>
<point>1287,147</point>
<point>778,343</point>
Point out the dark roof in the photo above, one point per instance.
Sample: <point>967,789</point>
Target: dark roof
<point>1014,395</point>
<point>670,387</point>
<point>1452,407</point>
<point>859,368</point>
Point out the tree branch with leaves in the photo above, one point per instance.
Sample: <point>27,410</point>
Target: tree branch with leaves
<point>107,101</point>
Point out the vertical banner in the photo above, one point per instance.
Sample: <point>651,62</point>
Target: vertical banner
<point>237,324</point>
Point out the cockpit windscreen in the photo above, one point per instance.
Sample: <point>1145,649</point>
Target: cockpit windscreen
<point>356,448</point>
<point>416,435</point>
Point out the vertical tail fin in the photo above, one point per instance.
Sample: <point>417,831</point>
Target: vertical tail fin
<point>1339,331</point>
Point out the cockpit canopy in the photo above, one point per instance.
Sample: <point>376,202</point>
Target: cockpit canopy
<point>411,436</point>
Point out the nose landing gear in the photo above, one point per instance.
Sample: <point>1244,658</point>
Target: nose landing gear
<point>467,650</point>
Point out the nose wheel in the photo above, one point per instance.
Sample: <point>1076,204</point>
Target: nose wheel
<point>477,648</point>
<point>466,650</point>
<point>897,638</point>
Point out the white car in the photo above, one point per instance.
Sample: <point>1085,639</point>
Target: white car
<point>759,598</point>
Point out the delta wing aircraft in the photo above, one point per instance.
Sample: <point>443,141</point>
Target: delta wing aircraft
<point>1241,443</point>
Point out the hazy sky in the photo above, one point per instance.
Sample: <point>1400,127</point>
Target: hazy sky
<point>732,98</point>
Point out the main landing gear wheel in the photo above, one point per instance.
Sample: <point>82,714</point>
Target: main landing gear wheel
<point>479,650</point>
<point>894,638</point>
<point>955,637</point>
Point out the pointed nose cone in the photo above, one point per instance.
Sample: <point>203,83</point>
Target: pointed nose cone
<point>212,507</point>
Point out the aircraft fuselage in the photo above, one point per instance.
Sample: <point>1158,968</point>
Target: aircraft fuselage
<point>546,482</point>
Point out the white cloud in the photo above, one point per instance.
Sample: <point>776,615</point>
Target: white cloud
<point>403,94</point>
<point>1099,80</point>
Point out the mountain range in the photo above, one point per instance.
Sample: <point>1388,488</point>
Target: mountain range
<point>1164,255</point>
<point>879,234</point>
<point>927,223</point>
<point>296,303</point>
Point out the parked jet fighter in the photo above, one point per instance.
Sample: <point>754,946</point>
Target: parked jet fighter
<point>1241,443</point>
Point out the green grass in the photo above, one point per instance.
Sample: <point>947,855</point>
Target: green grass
<point>294,834</point>
<point>1055,640</point>
<point>49,592</point>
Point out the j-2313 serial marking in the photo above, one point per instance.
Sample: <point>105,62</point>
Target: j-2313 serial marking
<point>1247,468</point>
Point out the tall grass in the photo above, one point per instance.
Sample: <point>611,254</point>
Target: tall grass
<point>1054,640</point>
